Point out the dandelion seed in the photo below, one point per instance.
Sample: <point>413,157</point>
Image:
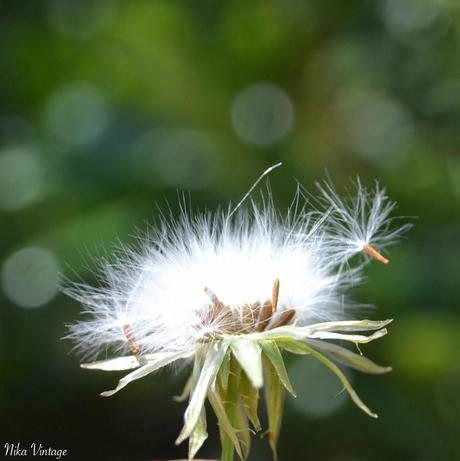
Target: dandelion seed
<point>131,339</point>
<point>235,291</point>
<point>361,222</point>
<point>275,295</point>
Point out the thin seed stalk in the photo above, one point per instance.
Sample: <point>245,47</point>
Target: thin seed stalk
<point>231,402</point>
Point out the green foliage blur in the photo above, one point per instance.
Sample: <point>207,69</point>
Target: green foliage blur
<point>108,108</point>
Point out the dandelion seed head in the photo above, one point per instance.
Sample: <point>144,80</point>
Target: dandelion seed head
<point>209,274</point>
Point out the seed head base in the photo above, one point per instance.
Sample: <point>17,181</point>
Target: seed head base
<point>249,318</point>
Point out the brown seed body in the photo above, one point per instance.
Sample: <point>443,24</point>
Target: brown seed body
<point>265,316</point>
<point>131,339</point>
<point>284,318</point>
<point>373,253</point>
<point>275,295</point>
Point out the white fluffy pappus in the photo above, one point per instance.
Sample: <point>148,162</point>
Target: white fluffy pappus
<point>209,275</point>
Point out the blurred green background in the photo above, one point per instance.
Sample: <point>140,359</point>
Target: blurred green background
<point>109,107</point>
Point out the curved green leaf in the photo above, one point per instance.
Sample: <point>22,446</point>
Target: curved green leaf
<point>347,357</point>
<point>160,361</point>
<point>346,384</point>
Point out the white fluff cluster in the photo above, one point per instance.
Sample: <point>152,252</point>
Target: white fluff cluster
<point>159,291</point>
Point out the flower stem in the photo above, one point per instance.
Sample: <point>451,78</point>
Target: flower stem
<point>231,402</point>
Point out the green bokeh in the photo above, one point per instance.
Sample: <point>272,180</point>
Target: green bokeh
<point>108,108</point>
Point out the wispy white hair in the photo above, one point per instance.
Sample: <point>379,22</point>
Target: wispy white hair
<point>360,218</point>
<point>158,290</point>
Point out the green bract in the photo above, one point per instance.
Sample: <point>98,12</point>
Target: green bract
<point>230,371</point>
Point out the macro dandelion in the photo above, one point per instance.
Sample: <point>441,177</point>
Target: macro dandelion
<point>231,293</point>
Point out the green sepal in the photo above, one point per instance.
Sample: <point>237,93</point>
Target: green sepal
<point>214,356</point>
<point>186,391</point>
<point>291,345</point>
<point>348,358</point>
<point>225,370</point>
<point>225,426</point>
<point>337,353</point>
<point>346,384</point>
<point>328,330</point>
<point>274,398</point>
<point>242,429</point>
<point>250,401</point>
<point>117,364</point>
<point>231,404</point>
<point>248,354</point>
<point>272,352</point>
<point>156,362</point>
<point>198,435</point>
